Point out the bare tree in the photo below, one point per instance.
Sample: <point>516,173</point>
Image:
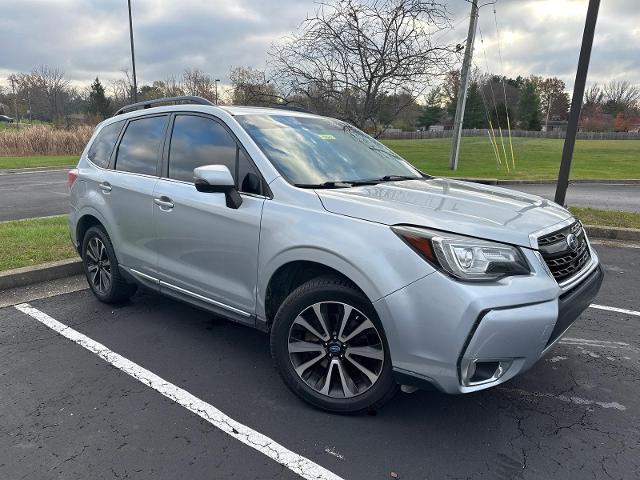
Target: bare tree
<point>352,53</point>
<point>52,82</point>
<point>620,96</point>
<point>250,86</point>
<point>196,82</point>
<point>593,95</point>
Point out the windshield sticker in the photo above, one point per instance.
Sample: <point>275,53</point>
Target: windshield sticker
<point>327,136</point>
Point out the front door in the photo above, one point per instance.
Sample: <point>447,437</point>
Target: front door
<point>207,250</point>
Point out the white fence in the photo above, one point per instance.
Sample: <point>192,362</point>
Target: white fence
<point>482,132</point>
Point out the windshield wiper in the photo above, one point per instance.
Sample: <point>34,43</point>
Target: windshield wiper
<point>325,185</point>
<point>354,183</point>
<point>386,178</point>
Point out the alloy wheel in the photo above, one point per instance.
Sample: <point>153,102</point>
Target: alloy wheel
<point>336,349</point>
<point>98,265</point>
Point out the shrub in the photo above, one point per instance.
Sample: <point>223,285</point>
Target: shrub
<point>44,140</point>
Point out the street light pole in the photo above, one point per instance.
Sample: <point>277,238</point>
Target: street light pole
<point>576,101</point>
<point>133,56</point>
<point>216,87</point>
<point>462,90</point>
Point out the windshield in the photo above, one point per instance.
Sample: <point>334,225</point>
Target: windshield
<point>314,151</point>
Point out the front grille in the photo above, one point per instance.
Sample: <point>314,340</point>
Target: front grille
<point>562,260</point>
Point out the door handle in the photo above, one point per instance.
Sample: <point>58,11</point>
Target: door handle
<point>105,187</point>
<point>164,203</point>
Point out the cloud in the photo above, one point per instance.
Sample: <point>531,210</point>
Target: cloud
<point>90,37</point>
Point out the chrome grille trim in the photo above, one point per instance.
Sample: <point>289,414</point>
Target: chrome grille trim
<point>563,262</point>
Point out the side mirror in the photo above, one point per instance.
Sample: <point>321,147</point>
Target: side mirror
<point>217,179</point>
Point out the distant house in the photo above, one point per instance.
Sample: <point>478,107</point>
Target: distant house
<point>634,124</point>
<point>436,128</point>
<point>555,124</point>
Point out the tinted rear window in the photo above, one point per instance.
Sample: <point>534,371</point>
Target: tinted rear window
<point>139,148</point>
<point>102,146</point>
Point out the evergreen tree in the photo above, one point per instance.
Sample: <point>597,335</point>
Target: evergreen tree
<point>474,114</point>
<point>433,111</point>
<point>529,108</point>
<point>99,104</point>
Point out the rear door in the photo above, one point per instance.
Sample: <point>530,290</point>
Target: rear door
<point>128,191</point>
<point>206,250</point>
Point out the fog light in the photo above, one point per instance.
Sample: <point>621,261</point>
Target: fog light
<point>478,372</point>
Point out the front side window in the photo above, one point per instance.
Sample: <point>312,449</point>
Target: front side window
<point>139,148</point>
<point>101,148</point>
<point>314,150</point>
<point>198,141</point>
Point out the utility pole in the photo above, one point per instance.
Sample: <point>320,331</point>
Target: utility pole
<point>576,101</point>
<point>15,98</point>
<point>462,90</point>
<point>133,56</point>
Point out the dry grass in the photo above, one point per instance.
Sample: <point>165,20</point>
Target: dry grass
<point>44,140</point>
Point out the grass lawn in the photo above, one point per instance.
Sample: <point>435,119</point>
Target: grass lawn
<point>38,161</point>
<point>34,241</point>
<point>535,158</point>
<point>608,218</point>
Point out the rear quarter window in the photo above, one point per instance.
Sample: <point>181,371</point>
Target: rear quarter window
<point>101,148</point>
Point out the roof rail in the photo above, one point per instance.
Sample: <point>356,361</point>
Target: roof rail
<point>158,101</point>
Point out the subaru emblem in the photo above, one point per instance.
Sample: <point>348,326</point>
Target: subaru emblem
<point>572,242</point>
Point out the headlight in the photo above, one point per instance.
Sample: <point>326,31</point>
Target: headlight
<point>465,258</point>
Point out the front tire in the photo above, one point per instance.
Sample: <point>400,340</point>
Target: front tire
<point>101,268</point>
<point>329,347</point>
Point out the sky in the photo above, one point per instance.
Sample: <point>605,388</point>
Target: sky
<point>89,38</point>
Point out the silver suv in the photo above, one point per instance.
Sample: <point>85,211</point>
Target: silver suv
<point>367,273</point>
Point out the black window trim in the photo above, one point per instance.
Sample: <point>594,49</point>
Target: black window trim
<point>114,153</point>
<point>164,172</point>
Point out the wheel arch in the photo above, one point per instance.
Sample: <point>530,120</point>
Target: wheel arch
<point>291,269</point>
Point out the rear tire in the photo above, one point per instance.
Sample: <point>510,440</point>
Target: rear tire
<point>101,267</point>
<point>329,347</point>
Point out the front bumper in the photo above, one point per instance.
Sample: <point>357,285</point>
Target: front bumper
<point>439,331</point>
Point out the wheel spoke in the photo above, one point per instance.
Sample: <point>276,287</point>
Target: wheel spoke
<point>304,347</point>
<point>345,318</point>
<point>318,312</point>
<point>305,366</point>
<point>327,381</point>
<point>92,268</point>
<point>107,278</point>
<point>302,322</point>
<point>345,379</point>
<point>90,252</point>
<point>103,251</point>
<point>368,373</point>
<point>369,352</point>
<point>365,325</point>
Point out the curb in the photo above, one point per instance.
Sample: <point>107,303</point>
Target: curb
<point>21,277</point>
<point>613,233</point>
<point>495,181</point>
<point>10,171</point>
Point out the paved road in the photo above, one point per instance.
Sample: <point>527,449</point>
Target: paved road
<point>597,195</point>
<point>45,193</point>
<point>65,413</point>
<point>37,194</point>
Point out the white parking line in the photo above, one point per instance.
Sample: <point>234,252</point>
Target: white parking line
<point>615,309</point>
<point>263,444</point>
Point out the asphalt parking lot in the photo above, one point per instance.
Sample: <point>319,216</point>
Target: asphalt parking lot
<point>68,413</point>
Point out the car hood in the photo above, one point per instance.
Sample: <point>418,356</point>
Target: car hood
<point>454,206</point>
